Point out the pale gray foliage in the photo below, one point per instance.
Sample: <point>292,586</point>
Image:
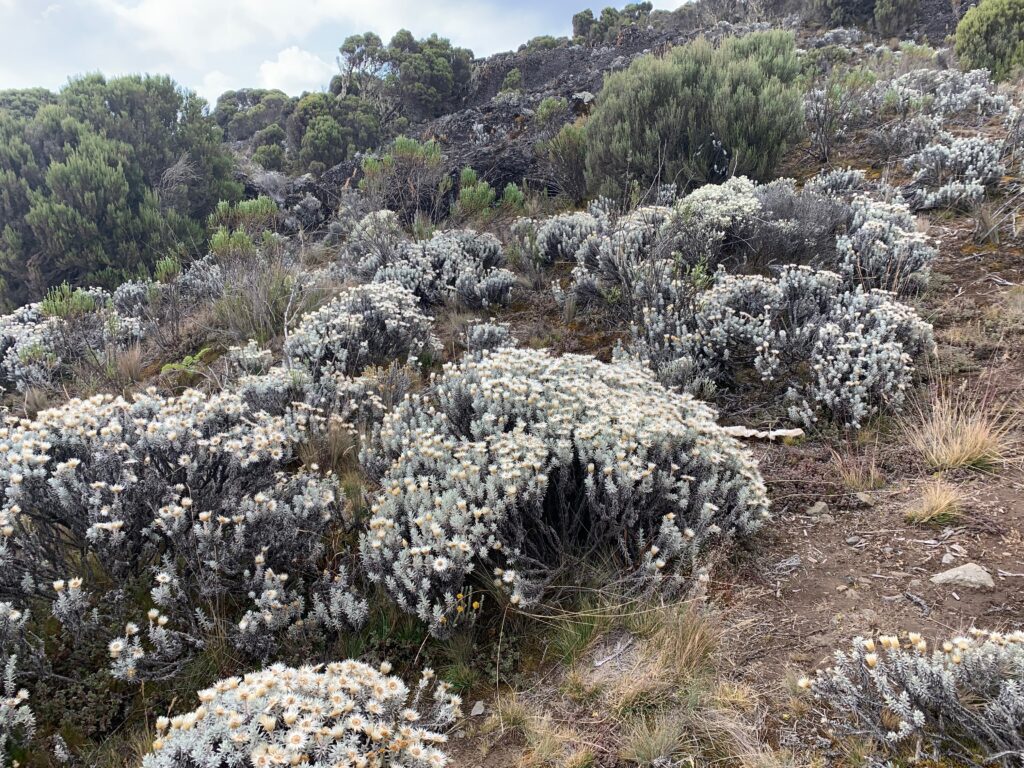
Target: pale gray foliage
<point>366,325</point>
<point>961,700</point>
<point>516,460</point>
<point>840,354</point>
<point>343,713</point>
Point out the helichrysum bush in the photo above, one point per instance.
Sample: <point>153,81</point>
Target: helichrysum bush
<point>461,267</point>
<point>185,497</point>
<point>883,248</point>
<point>956,173</point>
<point>835,353</point>
<point>343,713</point>
<point>960,700</point>
<point>366,325</point>
<point>991,35</point>
<point>516,460</point>
<point>554,239</point>
<point>40,343</point>
<point>489,335</point>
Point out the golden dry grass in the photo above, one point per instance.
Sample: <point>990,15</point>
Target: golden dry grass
<point>940,502</point>
<point>959,431</point>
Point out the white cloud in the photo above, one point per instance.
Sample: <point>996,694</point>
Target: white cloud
<point>214,84</point>
<point>295,70</point>
<point>194,30</point>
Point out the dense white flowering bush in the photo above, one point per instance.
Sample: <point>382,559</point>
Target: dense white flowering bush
<point>956,173</point>
<point>515,460</point>
<point>833,352</point>
<point>489,335</point>
<point>461,266</point>
<point>949,92</point>
<point>556,238</point>
<point>340,714</point>
<point>883,248</point>
<point>40,342</point>
<point>16,718</point>
<point>366,325</point>
<point>838,182</point>
<point>187,494</point>
<point>962,699</point>
<point>374,242</point>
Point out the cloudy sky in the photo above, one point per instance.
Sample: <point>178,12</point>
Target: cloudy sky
<point>214,45</point>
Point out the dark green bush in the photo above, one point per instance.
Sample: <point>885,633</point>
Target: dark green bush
<point>991,36</point>
<point>565,157</point>
<point>893,17</point>
<point>476,196</point>
<point>700,114</point>
<point>269,156</point>
<point>99,181</point>
<point>409,178</point>
<point>513,80</point>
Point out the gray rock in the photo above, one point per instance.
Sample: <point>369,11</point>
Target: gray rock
<point>866,499</point>
<point>478,709</point>
<point>968,575</point>
<point>817,508</point>
<point>948,559</point>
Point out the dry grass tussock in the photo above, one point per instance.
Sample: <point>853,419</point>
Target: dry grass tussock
<point>959,430</point>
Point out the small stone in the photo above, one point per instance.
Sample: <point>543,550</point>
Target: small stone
<point>866,499</point>
<point>948,558</point>
<point>826,518</point>
<point>817,508</point>
<point>478,709</point>
<point>854,540</point>
<point>968,575</point>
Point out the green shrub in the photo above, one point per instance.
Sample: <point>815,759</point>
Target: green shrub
<point>541,43</point>
<point>269,156</point>
<point>893,17</point>
<point>513,80</point>
<point>228,246</point>
<point>700,114</point>
<point>513,197</point>
<point>551,112</point>
<point>65,302</point>
<point>167,269</point>
<point>408,178</point>
<point>991,36</point>
<point>566,160</point>
<point>476,196</point>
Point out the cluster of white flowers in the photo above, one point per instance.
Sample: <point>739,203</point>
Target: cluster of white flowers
<point>16,718</point>
<point>340,714</point>
<point>460,266</point>
<point>556,238</point>
<point>374,242</point>
<point>842,353</point>
<point>838,182</point>
<point>517,459</point>
<point>36,348</point>
<point>366,325</point>
<point>956,172</point>
<point>201,281</point>
<point>949,92</point>
<point>961,699</point>
<point>489,335</point>
<point>883,248</point>
<point>195,482</point>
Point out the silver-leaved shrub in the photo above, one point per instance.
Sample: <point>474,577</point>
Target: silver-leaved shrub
<point>339,714</point>
<point>960,700</point>
<point>515,460</point>
<point>834,353</point>
<point>365,325</point>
